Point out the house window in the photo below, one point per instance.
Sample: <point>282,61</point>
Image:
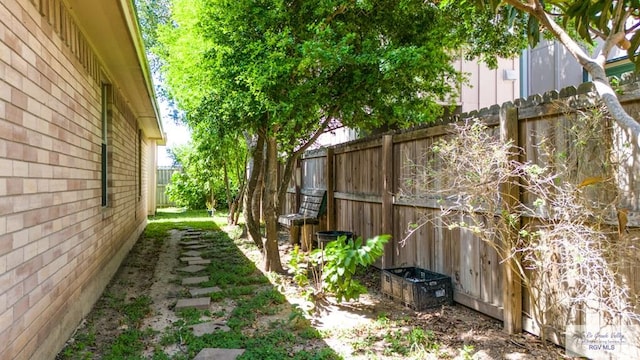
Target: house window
<point>104,168</point>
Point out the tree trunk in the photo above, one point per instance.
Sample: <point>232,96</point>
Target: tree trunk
<point>234,211</point>
<point>271,254</point>
<point>227,186</point>
<point>212,198</point>
<point>253,172</point>
<point>256,198</point>
<point>234,208</point>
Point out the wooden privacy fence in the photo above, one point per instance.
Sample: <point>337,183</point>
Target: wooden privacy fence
<point>163,179</point>
<point>363,178</point>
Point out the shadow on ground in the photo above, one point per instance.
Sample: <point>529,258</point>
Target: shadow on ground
<point>136,317</point>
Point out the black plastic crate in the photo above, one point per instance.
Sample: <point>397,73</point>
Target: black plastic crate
<point>417,288</point>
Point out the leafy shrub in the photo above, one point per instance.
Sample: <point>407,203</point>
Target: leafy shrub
<point>186,191</point>
<point>342,258</point>
<point>333,267</point>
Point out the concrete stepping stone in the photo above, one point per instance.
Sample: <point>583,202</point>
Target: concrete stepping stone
<point>194,280</point>
<point>200,262</point>
<point>192,253</point>
<point>218,354</point>
<point>188,243</point>
<point>192,268</point>
<point>195,292</point>
<point>196,247</point>
<point>201,303</point>
<point>209,328</point>
<point>190,258</point>
<point>193,234</point>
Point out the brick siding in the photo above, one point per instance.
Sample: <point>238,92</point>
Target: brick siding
<point>58,246</point>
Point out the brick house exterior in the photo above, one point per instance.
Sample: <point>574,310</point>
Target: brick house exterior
<point>79,127</point>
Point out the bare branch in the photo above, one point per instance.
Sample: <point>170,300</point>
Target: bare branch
<point>464,176</point>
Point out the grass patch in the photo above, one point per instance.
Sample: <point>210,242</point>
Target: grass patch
<point>81,346</point>
<point>132,311</point>
<point>128,345</point>
<point>247,310</point>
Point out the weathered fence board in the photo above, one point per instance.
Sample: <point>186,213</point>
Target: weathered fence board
<point>363,179</point>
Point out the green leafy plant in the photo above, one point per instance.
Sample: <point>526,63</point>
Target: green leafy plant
<point>421,341</point>
<point>342,258</point>
<point>302,265</point>
<point>333,267</point>
<point>396,343</point>
<point>299,266</point>
<point>467,352</point>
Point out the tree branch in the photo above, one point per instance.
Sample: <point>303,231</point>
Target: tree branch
<point>528,8</point>
<point>595,67</point>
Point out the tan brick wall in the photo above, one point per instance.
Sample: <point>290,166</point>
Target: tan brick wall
<point>58,246</point>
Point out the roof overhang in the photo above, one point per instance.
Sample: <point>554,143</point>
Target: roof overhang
<point>111,27</point>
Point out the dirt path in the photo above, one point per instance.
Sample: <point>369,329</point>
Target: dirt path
<point>165,290</point>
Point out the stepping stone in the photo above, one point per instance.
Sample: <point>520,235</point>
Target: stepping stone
<point>190,259</point>
<point>203,291</point>
<point>209,328</point>
<point>218,354</point>
<point>188,243</point>
<point>196,247</point>
<point>195,280</point>
<point>192,268</point>
<point>192,233</point>
<point>200,262</point>
<point>192,253</point>
<point>195,303</point>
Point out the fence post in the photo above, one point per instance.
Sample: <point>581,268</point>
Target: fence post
<point>387,199</point>
<point>330,176</point>
<point>510,195</point>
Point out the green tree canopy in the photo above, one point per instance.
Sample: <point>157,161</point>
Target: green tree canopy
<point>284,70</point>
